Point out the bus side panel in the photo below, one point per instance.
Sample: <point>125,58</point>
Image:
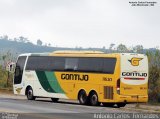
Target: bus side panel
<point>43,84</point>
<point>96,82</point>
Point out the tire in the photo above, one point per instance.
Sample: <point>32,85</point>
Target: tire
<point>54,99</point>
<point>108,104</point>
<point>93,99</point>
<point>82,97</point>
<point>121,105</point>
<point>30,95</point>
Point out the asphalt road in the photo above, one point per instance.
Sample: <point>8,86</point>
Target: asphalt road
<point>45,108</point>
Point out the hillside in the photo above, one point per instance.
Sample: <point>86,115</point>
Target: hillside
<point>21,47</point>
<point>16,47</point>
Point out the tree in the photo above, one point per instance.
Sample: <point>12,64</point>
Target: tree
<point>7,57</point>
<point>5,37</point>
<point>39,42</point>
<point>111,47</point>
<point>154,74</point>
<point>138,49</point>
<point>122,48</point>
<point>23,39</point>
<point>49,44</point>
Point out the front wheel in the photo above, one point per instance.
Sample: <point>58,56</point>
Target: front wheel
<point>93,98</point>
<point>30,95</point>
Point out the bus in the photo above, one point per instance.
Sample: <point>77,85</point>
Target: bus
<point>92,77</point>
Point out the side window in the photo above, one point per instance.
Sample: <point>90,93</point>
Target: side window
<point>32,63</point>
<point>71,64</point>
<point>100,65</point>
<point>19,69</point>
<point>109,65</point>
<point>90,64</point>
<point>39,63</point>
<point>82,64</point>
<point>58,63</point>
<point>45,63</point>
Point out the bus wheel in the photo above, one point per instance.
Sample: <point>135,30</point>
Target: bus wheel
<point>108,104</point>
<point>82,97</point>
<point>30,95</point>
<point>93,98</point>
<point>54,99</point>
<point>121,105</point>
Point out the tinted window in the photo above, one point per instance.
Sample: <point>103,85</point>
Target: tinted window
<point>71,64</point>
<point>19,70</point>
<point>90,64</point>
<point>58,63</point>
<point>48,63</point>
<point>109,65</point>
<point>101,65</point>
<point>45,63</point>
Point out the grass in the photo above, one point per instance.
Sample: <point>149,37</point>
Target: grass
<point>153,103</point>
<point>6,90</point>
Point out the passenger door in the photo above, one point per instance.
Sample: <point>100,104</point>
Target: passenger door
<point>18,76</point>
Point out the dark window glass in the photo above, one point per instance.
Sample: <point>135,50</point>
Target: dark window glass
<point>19,69</point>
<point>90,64</point>
<point>59,63</point>
<point>71,64</point>
<point>109,65</point>
<point>45,63</point>
<point>50,63</point>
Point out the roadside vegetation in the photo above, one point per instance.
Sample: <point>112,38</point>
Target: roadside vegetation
<point>6,77</point>
<point>153,54</point>
<point>154,75</point>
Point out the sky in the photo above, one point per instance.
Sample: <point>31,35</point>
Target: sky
<point>81,23</point>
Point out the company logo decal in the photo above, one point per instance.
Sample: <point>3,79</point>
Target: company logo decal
<point>134,75</point>
<point>75,77</point>
<point>135,61</point>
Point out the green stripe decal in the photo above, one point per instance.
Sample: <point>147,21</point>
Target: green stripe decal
<point>53,82</point>
<point>44,81</point>
<point>49,82</point>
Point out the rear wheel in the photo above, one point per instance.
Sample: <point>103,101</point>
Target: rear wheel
<point>82,97</point>
<point>54,99</point>
<point>121,105</point>
<point>93,98</point>
<point>30,95</point>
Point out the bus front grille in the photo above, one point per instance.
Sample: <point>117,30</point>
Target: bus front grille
<point>108,92</point>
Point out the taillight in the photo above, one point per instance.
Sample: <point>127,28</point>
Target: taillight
<point>118,86</point>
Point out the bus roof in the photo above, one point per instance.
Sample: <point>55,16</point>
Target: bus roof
<point>78,53</point>
<point>34,54</point>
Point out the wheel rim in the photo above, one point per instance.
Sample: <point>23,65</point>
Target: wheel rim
<point>30,93</point>
<point>94,99</point>
<point>82,98</point>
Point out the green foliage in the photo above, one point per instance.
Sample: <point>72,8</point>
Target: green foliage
<point>122,48</point>
<point>4,78</point>
<point>138,49</point>
<point>39,42</point>
<point>154,74</point>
